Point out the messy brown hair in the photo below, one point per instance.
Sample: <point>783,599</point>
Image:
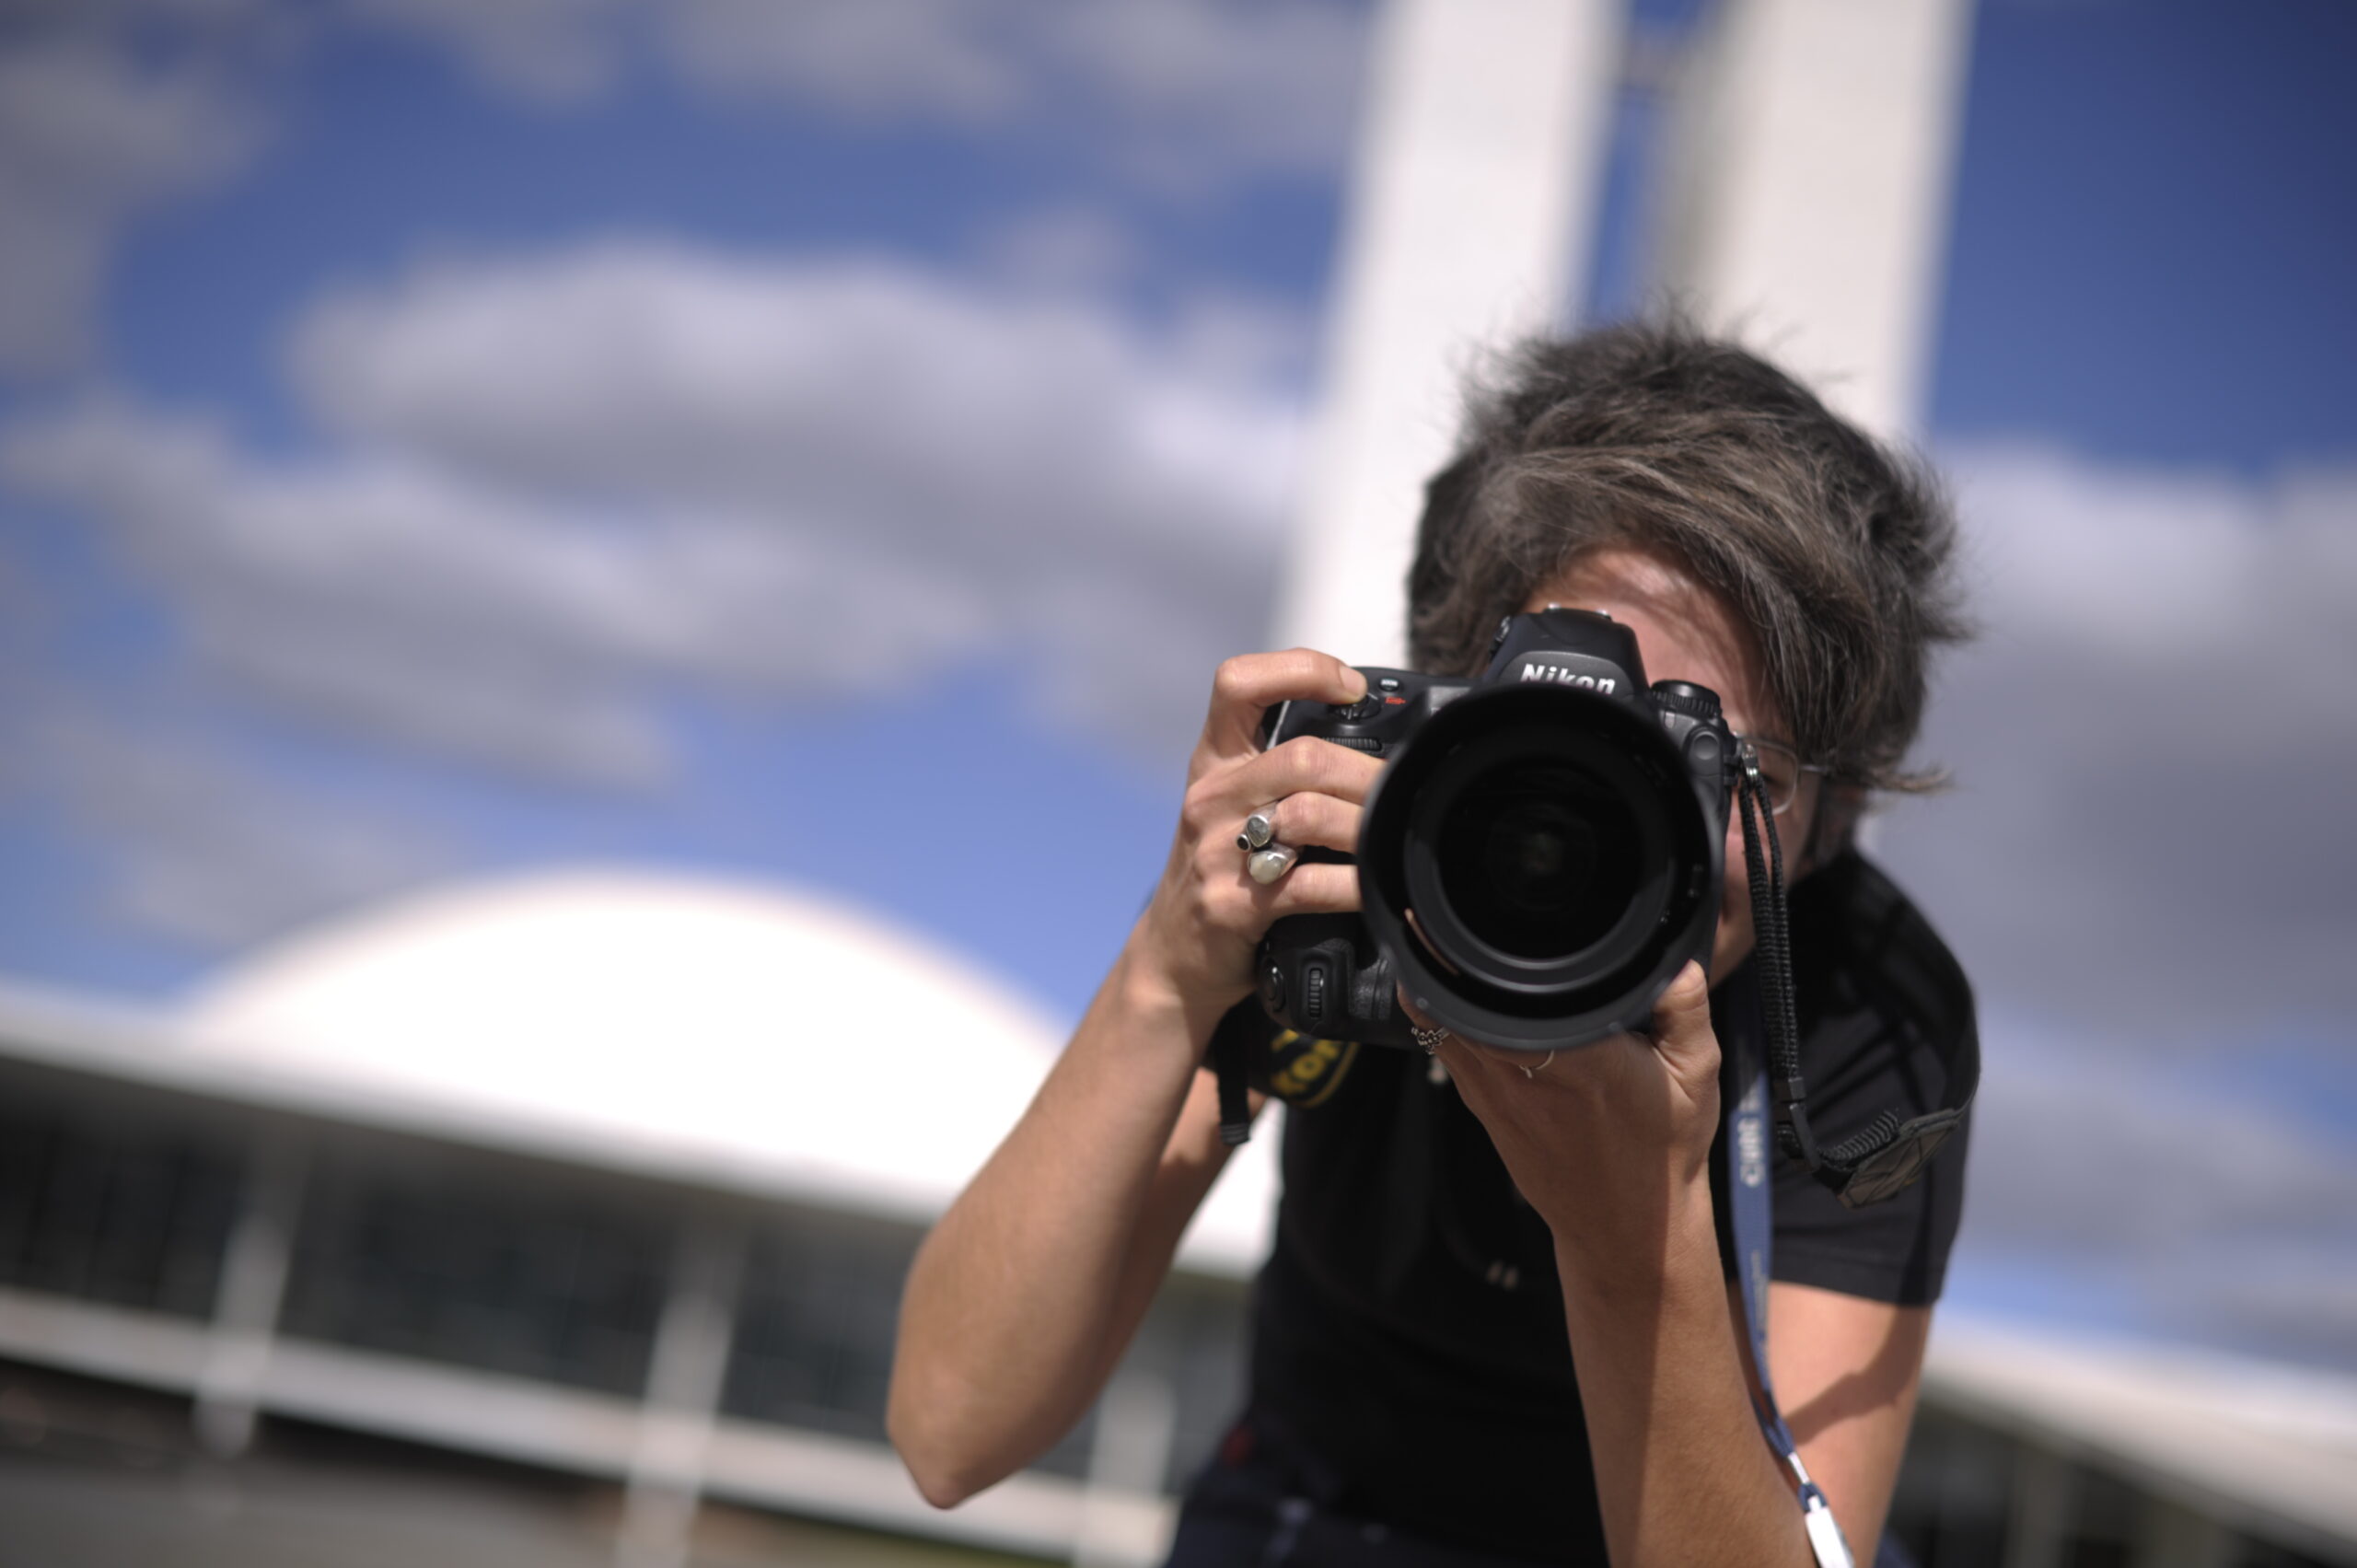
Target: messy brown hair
<point>1834,548</point>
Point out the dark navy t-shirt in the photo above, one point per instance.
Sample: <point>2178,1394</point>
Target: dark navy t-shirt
<point>1409,1335</point>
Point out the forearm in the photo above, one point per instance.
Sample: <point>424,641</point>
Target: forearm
<point>1023,1295</point>
<point>1682,1472</point>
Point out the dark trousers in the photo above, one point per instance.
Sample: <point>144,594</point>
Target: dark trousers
<point>1262,1503</point>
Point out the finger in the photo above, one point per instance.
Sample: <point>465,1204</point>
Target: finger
<point>1455,1050</point>
<point>1302,765</point>
<point>1419,1018</point>
<point>1248,683</point>
<point>1219,802</point>
<point>1311,818</point>
<point>1312,889</point>
<point>1681,1025</point>
<point>1479,1072</point>
<point>1495,1058</point>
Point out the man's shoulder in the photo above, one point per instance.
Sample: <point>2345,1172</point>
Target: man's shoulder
<point>1861,944</point>
<point>1886,1016</point>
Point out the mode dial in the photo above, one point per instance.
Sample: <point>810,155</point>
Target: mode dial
<point>1684,697</point>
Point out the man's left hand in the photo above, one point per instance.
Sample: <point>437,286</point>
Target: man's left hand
<point>1605,1138</point>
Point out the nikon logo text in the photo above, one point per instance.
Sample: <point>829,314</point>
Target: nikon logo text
<point>1565,677</point>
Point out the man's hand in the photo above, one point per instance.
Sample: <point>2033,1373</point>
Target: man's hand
<point>1611,1144</point>
<point>1026,1292</point>
<point>1600,1138</point>
<point>1207,914</point>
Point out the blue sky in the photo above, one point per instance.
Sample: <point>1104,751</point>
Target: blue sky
<point>384,152</point>
<point>517,434</point>
<point>2153,221</point>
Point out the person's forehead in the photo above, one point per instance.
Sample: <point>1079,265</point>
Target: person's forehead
<point>1684,631</point>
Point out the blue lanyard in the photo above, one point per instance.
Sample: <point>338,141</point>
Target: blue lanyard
<point>1749,1143</point>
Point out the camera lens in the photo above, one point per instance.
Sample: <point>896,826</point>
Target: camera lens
<point>1542,857</point>
<point>1538,859</point>
<point>1533,857</point>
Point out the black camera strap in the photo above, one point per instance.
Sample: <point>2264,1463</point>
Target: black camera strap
<point>1231,1054</point>
<point>1889,1154</point>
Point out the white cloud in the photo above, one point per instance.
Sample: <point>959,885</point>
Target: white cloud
<point>1071,249</point>
<point>1272,83</point>
<point>200,846</point>
<point>2072,1155</point>
<point>545,52</point>
<point>2216,1214</point>
<point>569,483</point>
<point>2156,566</point>
<point>866,385</point>
<point>111,108</point>
<point>953,60</point>
<point>2154,744</point>
<point>2147,867</point>
<point>92,133</point>
<point>1193,92</point>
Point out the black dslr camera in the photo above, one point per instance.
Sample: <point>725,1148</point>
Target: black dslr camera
<point>1539,858</point>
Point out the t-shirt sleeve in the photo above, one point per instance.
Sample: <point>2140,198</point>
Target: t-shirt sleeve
<point>1883,1009</point>
<point>1896,1251</point>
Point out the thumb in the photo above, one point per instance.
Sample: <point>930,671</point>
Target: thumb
<point>1682,1031</point>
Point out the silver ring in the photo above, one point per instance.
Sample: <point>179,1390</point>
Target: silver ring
<point>1268,865</point>
<point>1431,1039</point>
<point>1258,829</point>
<point>1530,1072</point>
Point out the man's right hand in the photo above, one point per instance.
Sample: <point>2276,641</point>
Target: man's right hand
<point>1029,1289</point>
<point>1208,914</point>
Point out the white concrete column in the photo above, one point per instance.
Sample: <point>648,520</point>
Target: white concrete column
<point>1468,222</point>
<point>1808,196</point>
<point>2170,1535</point>
<point>2040,1509</point>
<point>683,1386</point>
<point>1120,1525</point>
<point>246,1304</point>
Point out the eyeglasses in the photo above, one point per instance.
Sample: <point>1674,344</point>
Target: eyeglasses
<point>1779,769</point>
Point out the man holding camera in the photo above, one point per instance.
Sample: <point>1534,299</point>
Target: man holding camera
<point>1457,1234</point>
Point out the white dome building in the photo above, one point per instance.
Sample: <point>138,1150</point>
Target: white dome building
<point>750,1034</point>
<point>617,1174</point>
<point>611,1171</point>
